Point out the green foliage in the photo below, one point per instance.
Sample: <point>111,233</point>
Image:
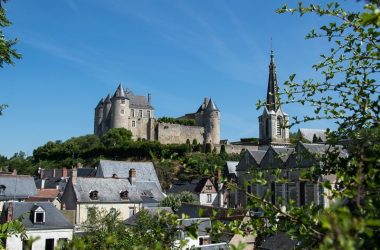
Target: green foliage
<point>208,148</point>
<point>349,95</point>
<point>13,227</point>
<point>175,201</point>
<point>2,108</point>
<point>7,52</point>
<point>116,137</point>
<point>222,149</point>
<point>186,122</point>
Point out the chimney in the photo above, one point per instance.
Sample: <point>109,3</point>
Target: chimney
<point>64,172</point>
<point>149,97</point>
<point>53,172</point>
<point>132,176</point>
<point>42,183</point>
<point>10,211</point>
<point>74,175</point>
<point>205,102</point>
<point>14,172</point>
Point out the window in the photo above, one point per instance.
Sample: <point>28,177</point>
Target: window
<point>94,195</point>
<point>38,214</point>
<point>148,113</point>
<point>203,241</point>
<point>132,113</point>
<point>133,124</point>
<point>140,113</point>
<point>209,187</point>
<point>249,189</point>
<point>2,190</point>
<point>131,211</point>
<point>39,217</point>
<point>279,124</point>
<point>124,195</point>
<point>122,101</point>
<point>122,111</point>
<point>209,198</point>
<point>49,244</point>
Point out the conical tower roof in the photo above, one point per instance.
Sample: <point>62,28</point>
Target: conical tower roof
<point>120,91</point>
<point>100,104</point>
<point>211,106</point>
<point>272,92</point>
<point>108,99</point>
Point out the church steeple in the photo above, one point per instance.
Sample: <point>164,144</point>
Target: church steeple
<point>272,97</point>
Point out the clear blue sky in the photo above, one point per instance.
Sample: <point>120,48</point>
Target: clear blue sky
<point>75,52</point>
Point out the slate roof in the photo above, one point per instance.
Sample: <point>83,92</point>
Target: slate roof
<point>214,246</point>
<point>195,186</point>
<point>321,149</point>
<point>211,106</point>
<point>145,171</point>
<point>283,153</point>
<point>231,167</point>
<point>204,225</point>
<point>279,241</point>
<point>136,101</point>
<point>17,186</point>
<point>153,211</point>
<point>197,211</point>
<point>257,155</point>
<point>109,190</point>
<point>120,92</point>
<point>308,133</point>
<point>53,218</point>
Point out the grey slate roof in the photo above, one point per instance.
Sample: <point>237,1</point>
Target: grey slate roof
<point>195,186</point>
<point>283,153</point>
<point>53,218</point>
<point>145,171</point>
<point>17,186</point>
<point>211,106</point>
<point>308,133</point>
<point>279,241</point>
<point>257,155</point>
<point>109,190</point>
<point>321,149</point>
<point>108,99</point>
<point>120,91</point>
<point>214,246</point>
<point>152,211</point>
<point>204,225</point>
<point>231,167</point>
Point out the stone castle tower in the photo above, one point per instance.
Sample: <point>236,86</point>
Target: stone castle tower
<point>273,119</point>
<point>135,113</point>
<point>125,110</point>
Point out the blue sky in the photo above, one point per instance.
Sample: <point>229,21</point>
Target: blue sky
<point>75,52</point>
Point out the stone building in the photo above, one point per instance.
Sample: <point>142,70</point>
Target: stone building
<point>135,113</point>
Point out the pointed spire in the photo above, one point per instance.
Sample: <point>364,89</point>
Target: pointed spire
<point>272,97</point>
<point>119,92</point>
<point>211,106</point>
<point>100,103</point>
<point>108,99</point>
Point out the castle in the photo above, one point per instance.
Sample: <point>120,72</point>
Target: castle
<point>126,110</point>
<point>135,113</point>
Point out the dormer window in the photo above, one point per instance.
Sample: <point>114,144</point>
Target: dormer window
<point>2,190</point>
<point>38,215</point>
<point>124,195</point>
<point>94,195</point>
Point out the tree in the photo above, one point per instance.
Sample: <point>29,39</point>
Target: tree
<point>349,95</point>
<point>116,137</point>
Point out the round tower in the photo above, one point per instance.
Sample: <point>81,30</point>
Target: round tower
<point>120,109</point>
<point>106,115</point>
<point>98,118</point>
<point>211,121</point>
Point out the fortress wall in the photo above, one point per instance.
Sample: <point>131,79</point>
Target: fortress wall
<point>175,133</point>
<point>235,148</point>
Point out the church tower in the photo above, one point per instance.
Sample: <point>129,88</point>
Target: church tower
<point>273,120</point>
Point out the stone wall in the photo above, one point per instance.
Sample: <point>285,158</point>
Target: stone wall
<point>168,133</point>
<point>235,148</point>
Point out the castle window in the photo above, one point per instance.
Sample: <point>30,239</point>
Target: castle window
<point>148,113</point>
<point>122,111</point>
<point>94,195</point>
<point>122,101</point>
<point>133,124</point>
<point>132,113</point>
<point>279,126</point>
<point>140,113</point>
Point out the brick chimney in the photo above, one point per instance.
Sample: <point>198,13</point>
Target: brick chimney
<point>10,211</point>
<point>64,172</point>
<point>132,176</point>
<point>74,174</point>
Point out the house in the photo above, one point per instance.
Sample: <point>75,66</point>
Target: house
<point>204,190</point>
<point>42,221</point>
<point>16,188</point>
<point>113,189</point>
<point>48,195</point>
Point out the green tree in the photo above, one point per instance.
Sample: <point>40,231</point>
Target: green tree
<point>116,137</point>
<point>349,95</point>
